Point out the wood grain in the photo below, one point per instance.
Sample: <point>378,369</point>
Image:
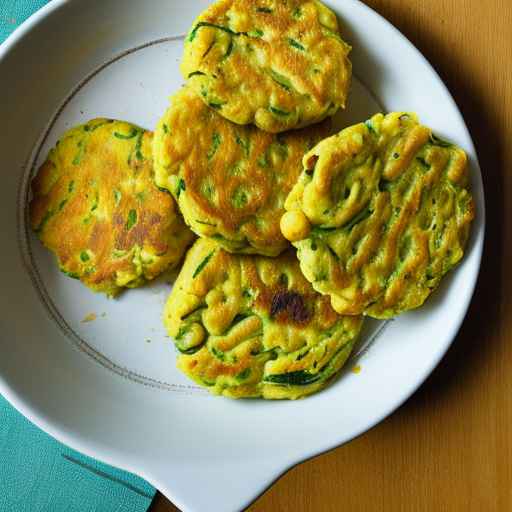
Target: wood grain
<point>449,447</point>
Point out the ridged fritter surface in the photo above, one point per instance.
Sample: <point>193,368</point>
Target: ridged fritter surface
<point>250,326</point>
<point>96,207</point>
<point>277,64</point>
<point>381,212</point>
<point>230,181</point>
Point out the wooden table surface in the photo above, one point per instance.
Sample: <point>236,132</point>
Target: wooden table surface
<point>449,448</point>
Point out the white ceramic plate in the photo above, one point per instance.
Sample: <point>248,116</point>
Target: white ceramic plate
<point>109,387</point>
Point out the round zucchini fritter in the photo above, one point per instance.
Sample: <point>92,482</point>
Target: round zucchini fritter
<point>96,207</point>
<point>381,212</point>
<point>279,65</point>
<point>230,181</point>
<point>251,326</point>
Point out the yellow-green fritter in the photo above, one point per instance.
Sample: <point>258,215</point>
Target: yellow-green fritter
<point>96,207</point>
<point>277,64</point>
<point>252,326</point>
<point>230,181</point>
<point>381,212</point>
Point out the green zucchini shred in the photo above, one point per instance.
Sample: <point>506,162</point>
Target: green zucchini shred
<point>278,112</point>
<point>206,223</point>
<point>132,219</point>
<point>216,140</point>
<point>297,378</point>
<point>360,217</point>
<point>280,80</point>
<point>73,275</point>
<point>193,32</point>
<point>181,187</point>
<point>296,44</point>
<point>194,73</point>
<point>437,141</point>
<point>203,264</point>
<point>130,135</point>
<point>244,374</point>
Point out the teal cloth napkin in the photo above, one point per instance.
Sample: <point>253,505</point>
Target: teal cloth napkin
<point>37,473</point>
<point>15,12</point>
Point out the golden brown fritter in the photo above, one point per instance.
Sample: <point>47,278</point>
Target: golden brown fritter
<point>279,65</point>
<point>250,326</point>
<point>230,181</point>
<point>381,212</point>
<point>96,207</point>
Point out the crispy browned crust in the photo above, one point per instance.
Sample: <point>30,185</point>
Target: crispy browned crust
<point>230,181</point>
<point>247,58</point>
<point>254,326</point>
<point>95,206</point>
<point>383,211</point>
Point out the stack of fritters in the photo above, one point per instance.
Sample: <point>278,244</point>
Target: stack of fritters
<point>378,213</point>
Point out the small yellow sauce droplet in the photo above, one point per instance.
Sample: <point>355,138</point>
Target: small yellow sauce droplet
<point>89,318</point>
<point>356,369</point>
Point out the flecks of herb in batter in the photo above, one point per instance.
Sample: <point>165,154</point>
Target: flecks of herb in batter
<point>216,104</point>
<point>244,374</point>
<point>370,127</point>
<point>423,162</point>
<point>229,49</point>
<point>297,378</point>
<point>193,33</point>
<point>218,353</point>
<point>243,143</point>
<point>80,153</point>
<point>278,112</point>
<point>181,187</point>
<point>73,275</point>
<point>132,219</point>
<point>91,128</point>
<point>138,146</point>
<point>84,256</point>
<point>333,253</point>
<point>116,253</point>
<point>296,44</point>
<point>208,50</point>
<point>384,185</point>
<point>437,141</point>
<point>239,198</point>
<point>255,33</point>
<point>126,136</point>
<point>196,73</point>
<point>201,265</point>
<point>117,197</point>
<point>206,223</point>
<point>362,215</point>
<point>216,140</point>
<point>266,10</point>
<point>280,80</point>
